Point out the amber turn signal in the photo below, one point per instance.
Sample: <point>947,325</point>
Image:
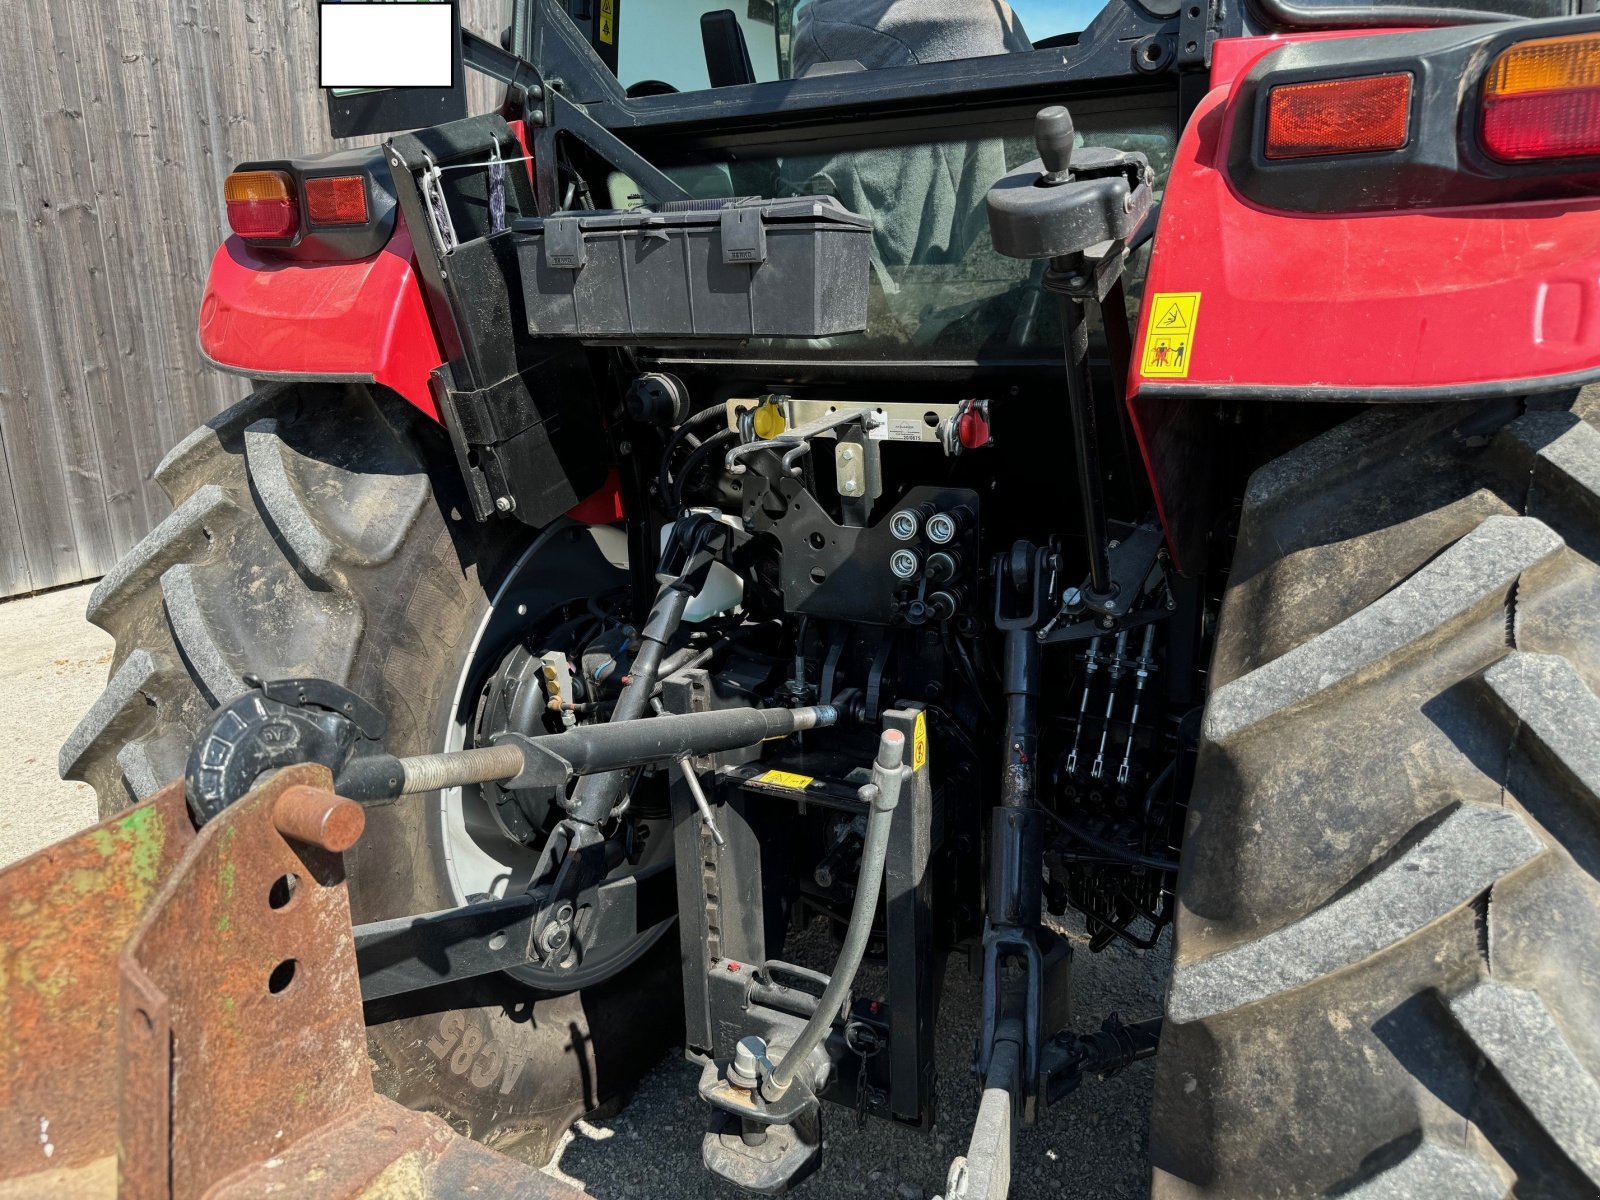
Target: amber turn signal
<point>1338,116</point>
<point>261,204</point>
<point>1541,99</point>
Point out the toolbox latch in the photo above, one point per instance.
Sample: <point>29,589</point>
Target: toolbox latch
<point>563,243</point>
<point>744,236</point>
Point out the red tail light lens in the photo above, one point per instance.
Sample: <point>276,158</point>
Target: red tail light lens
<point>261,204</point>
<point>337,200</point>
<point>1338,116</point>
<point>1541,99</point>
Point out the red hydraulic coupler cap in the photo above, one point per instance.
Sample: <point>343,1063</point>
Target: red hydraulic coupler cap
<point>972,425</point>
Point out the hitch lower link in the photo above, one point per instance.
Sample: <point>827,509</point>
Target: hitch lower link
<point>1026,1055</point>
<point>292,722</point>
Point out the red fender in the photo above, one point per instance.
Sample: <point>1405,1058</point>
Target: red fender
<point>363,320</point>
<point>1433,303</point>
<point>1418,304</point>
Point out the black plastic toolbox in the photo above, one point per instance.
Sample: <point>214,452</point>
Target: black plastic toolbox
<point>702,269</point>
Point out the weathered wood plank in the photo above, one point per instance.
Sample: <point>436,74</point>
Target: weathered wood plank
<point>122,121</point>
<point>15,577</point>
<point>37,453</point>
<point>65,291</point>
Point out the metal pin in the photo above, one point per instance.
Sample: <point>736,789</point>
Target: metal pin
<point>1091,664</point>
<point>1141,677</point>
<point>1099,767</point>
<point>700,800</point>
<point>692,778</point>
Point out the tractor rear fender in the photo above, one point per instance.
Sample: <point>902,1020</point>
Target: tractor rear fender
<point>363,320</point>
<point>1363,276</point>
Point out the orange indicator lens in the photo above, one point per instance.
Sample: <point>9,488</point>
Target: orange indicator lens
<point>337,200</point>
<point>1541,99</point>
<point>1338,116</point>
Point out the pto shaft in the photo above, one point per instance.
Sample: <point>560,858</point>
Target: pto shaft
<point>552,759</point>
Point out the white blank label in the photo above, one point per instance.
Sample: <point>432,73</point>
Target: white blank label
<point>386,45</point>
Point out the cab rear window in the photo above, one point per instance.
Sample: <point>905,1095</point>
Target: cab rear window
<point>661,46</point>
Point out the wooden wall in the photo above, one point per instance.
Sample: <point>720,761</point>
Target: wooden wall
<point>118,121</point>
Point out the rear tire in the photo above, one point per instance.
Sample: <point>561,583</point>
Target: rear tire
<point>320,530</point>
<point>1386,975</point>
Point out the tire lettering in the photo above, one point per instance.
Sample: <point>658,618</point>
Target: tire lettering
<point>471,1043</point>
<point>487,1066</point>
<point>450,1027</point>
<point>463,1047</point>
<point>514,1064</point>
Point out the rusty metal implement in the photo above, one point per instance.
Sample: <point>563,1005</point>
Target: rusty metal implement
<point>180,1016</point>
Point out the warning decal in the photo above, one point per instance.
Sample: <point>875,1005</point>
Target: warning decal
<point>919,742</point>
<point>786,779</point>
<point>1169,336</point>
<point>608,26</point>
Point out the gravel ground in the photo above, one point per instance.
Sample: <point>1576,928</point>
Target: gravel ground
<point>53,668</point>
<point>1092,1145</point>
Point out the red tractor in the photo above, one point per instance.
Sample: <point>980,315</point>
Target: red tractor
<point>887,467</point>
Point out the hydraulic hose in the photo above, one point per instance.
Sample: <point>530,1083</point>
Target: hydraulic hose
<point>699,420</point>
<point>597,795</point>
<point>705,450</point>
<point>883,793</point>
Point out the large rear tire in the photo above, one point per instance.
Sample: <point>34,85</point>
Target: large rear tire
<point>320,530</point>
<point>1387,958</point>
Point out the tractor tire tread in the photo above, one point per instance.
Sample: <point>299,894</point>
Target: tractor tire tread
<point>1385,952</point>
<point>222,587</point>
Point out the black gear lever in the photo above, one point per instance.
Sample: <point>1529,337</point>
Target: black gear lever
<point>1052,134</point>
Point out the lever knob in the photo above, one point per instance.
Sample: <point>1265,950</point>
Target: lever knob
<point>1052,133</point>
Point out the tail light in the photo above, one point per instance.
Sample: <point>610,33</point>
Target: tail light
<point>337,200</point>
<point>1338,116</point>
<point>261,204</point>
<point>1541,99</point>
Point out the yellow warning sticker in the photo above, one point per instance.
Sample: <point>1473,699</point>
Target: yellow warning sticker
<point>786,779</point>
<point>919,742</point>
<point>1169,335</point>
<point>608,24</point>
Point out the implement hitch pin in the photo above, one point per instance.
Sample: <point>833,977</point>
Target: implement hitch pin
<point>692,778</point>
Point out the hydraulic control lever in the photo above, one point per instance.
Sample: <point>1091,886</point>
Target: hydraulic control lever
<point>1077,207</point>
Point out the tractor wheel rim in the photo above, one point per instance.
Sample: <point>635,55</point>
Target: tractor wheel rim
<point>481,861</point>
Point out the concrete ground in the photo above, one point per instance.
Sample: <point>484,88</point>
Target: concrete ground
<point>1091,1146</point>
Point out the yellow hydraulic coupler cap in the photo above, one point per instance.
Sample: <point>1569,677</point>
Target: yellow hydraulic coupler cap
<point>767,421</point>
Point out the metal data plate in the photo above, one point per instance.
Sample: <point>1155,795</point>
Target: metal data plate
<point>902,422</point>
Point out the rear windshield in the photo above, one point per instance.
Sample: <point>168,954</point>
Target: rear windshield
<point>938,289</point>
<point>662,45</point>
